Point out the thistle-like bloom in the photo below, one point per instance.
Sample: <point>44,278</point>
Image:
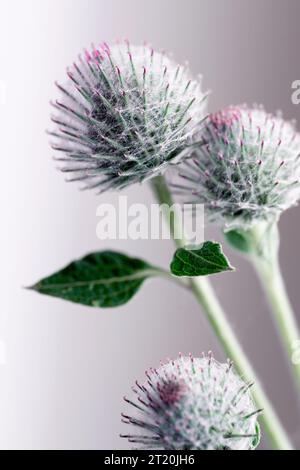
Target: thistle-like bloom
<point>125,114</point>
<point>247,168</point>
<point>193,404</point>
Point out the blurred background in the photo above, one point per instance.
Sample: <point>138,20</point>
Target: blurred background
<point>67,367</point>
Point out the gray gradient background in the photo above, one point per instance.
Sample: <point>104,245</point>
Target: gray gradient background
<point>69,366</point>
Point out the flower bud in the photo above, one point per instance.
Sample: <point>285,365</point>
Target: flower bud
<point>193,404</point>
<point>126,113</point>
<point>246,169</point>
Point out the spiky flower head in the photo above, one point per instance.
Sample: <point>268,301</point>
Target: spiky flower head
<point>247,168</point>
<point>126,113</point>
<point>193,404</point>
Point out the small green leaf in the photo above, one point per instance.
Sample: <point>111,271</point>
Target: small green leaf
<point>239,240</point>
<point>203,261</point>
<point>104,279</point>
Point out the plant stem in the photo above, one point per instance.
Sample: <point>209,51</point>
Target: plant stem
<point>269,272</point>
<point>206,298</point>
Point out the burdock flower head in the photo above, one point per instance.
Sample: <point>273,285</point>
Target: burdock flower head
<point>247,168</point>
<point>193,404</point>
<point>126,113</point>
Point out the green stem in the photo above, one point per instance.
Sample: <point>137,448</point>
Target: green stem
<point>206,298</point>
<point>164,274</point>
<point>269,272</point>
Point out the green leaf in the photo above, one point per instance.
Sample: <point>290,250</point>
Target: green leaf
<point>104,279</point>
<point>239,240</point>
<point>203,261</point>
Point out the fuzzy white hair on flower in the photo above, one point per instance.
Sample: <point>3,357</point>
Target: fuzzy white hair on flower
<point>193,404</point>
<point>247,168</point>
<point>126,113</point>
